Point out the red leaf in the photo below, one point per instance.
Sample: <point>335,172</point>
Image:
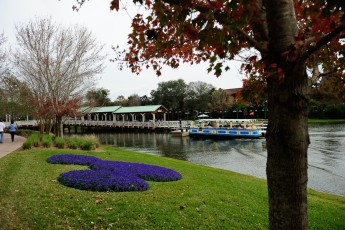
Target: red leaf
<point>115,4</point>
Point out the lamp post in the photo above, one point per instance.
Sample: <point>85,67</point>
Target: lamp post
<point>187,113</point>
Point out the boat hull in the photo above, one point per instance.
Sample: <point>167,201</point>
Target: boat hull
<point>225,132</point>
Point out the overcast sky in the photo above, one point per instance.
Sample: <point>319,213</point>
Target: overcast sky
<point>110,28</point>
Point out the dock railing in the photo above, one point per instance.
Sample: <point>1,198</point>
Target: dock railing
<point>117,124</point>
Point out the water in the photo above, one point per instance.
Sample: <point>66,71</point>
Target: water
<point>326,153</point>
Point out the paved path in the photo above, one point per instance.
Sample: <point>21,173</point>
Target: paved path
<point>8,146</point>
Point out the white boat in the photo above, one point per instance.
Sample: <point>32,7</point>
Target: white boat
<point>226,128</point>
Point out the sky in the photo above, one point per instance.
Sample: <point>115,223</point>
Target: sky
<point>110,28</point>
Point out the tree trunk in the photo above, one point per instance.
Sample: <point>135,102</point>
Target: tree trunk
<point>287,145</point>
<point>58,126</point>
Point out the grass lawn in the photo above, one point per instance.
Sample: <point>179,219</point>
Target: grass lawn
<point>205,198</point>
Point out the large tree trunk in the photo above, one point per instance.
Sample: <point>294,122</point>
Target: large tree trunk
<point>287,134</point>
<point>287,145</point>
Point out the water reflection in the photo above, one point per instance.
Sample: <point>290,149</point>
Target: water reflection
<point>247,156</point>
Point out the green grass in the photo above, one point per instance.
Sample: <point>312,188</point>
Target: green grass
<point>326,121</point>
<point>206,198</point>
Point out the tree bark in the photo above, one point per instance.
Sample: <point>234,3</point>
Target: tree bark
<point>287,146</point>
<point>287,133</point>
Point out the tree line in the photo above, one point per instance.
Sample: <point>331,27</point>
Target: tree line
<point>187,101</point>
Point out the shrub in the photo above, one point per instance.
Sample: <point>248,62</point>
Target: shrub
<point>87,142</point>
<point>34,140</point>
<point>59,142</point>
<point>47,141</point>
<point>93,138</point>
<point>72,142</point>
<point>27,144</point>
<point>25,132</point>
<point>86,145</point>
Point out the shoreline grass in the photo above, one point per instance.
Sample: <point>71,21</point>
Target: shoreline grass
<point>326,121</point>
<point>205,198</point>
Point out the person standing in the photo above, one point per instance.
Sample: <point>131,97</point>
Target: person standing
<point>2,129</point>
<point>12,129</point>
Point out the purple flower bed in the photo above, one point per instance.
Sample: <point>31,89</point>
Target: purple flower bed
<point>102,180</point>
<point>144,171</point>
<point>111,175</point>
<point>72,159</point>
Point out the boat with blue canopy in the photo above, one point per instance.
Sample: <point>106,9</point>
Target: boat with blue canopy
<point>226,128</point>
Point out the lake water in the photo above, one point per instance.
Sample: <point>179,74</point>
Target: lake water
<point>326,153</point>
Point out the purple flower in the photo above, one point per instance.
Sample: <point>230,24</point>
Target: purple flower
<point>110,175</point>
<point>144,171</point>
<point>72,159</point>
<point>102,180</point>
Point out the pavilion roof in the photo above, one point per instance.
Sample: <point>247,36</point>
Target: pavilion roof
<point>122,110</point>
<point>104,109</point>
<point>141,109</point>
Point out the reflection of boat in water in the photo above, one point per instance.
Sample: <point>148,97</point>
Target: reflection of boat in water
<point>226,128</point>
<point>179,133</point>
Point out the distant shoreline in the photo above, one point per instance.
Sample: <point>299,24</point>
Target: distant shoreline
<point>326,121</point>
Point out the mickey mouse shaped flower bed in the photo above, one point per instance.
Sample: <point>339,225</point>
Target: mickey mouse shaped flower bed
<point>114,176</point>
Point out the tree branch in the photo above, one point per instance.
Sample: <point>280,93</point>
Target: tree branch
<point>252,41</point>
<point>323,41</point>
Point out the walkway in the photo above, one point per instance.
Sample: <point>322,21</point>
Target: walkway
<point>8,146</point>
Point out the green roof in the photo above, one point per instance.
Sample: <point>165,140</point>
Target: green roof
<point>121,110</point>
<point>141,109</point>
<point>105,109</point>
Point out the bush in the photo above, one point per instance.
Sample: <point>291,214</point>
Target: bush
<point>93,138</point>
<point>34,140</point>
<point>25,132</point>
<point>72,143</point>
<point>59,142</point>
<point>47,141</point>
<point>87,142</point>
<point>86,145</point>
<point>27,144</point>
